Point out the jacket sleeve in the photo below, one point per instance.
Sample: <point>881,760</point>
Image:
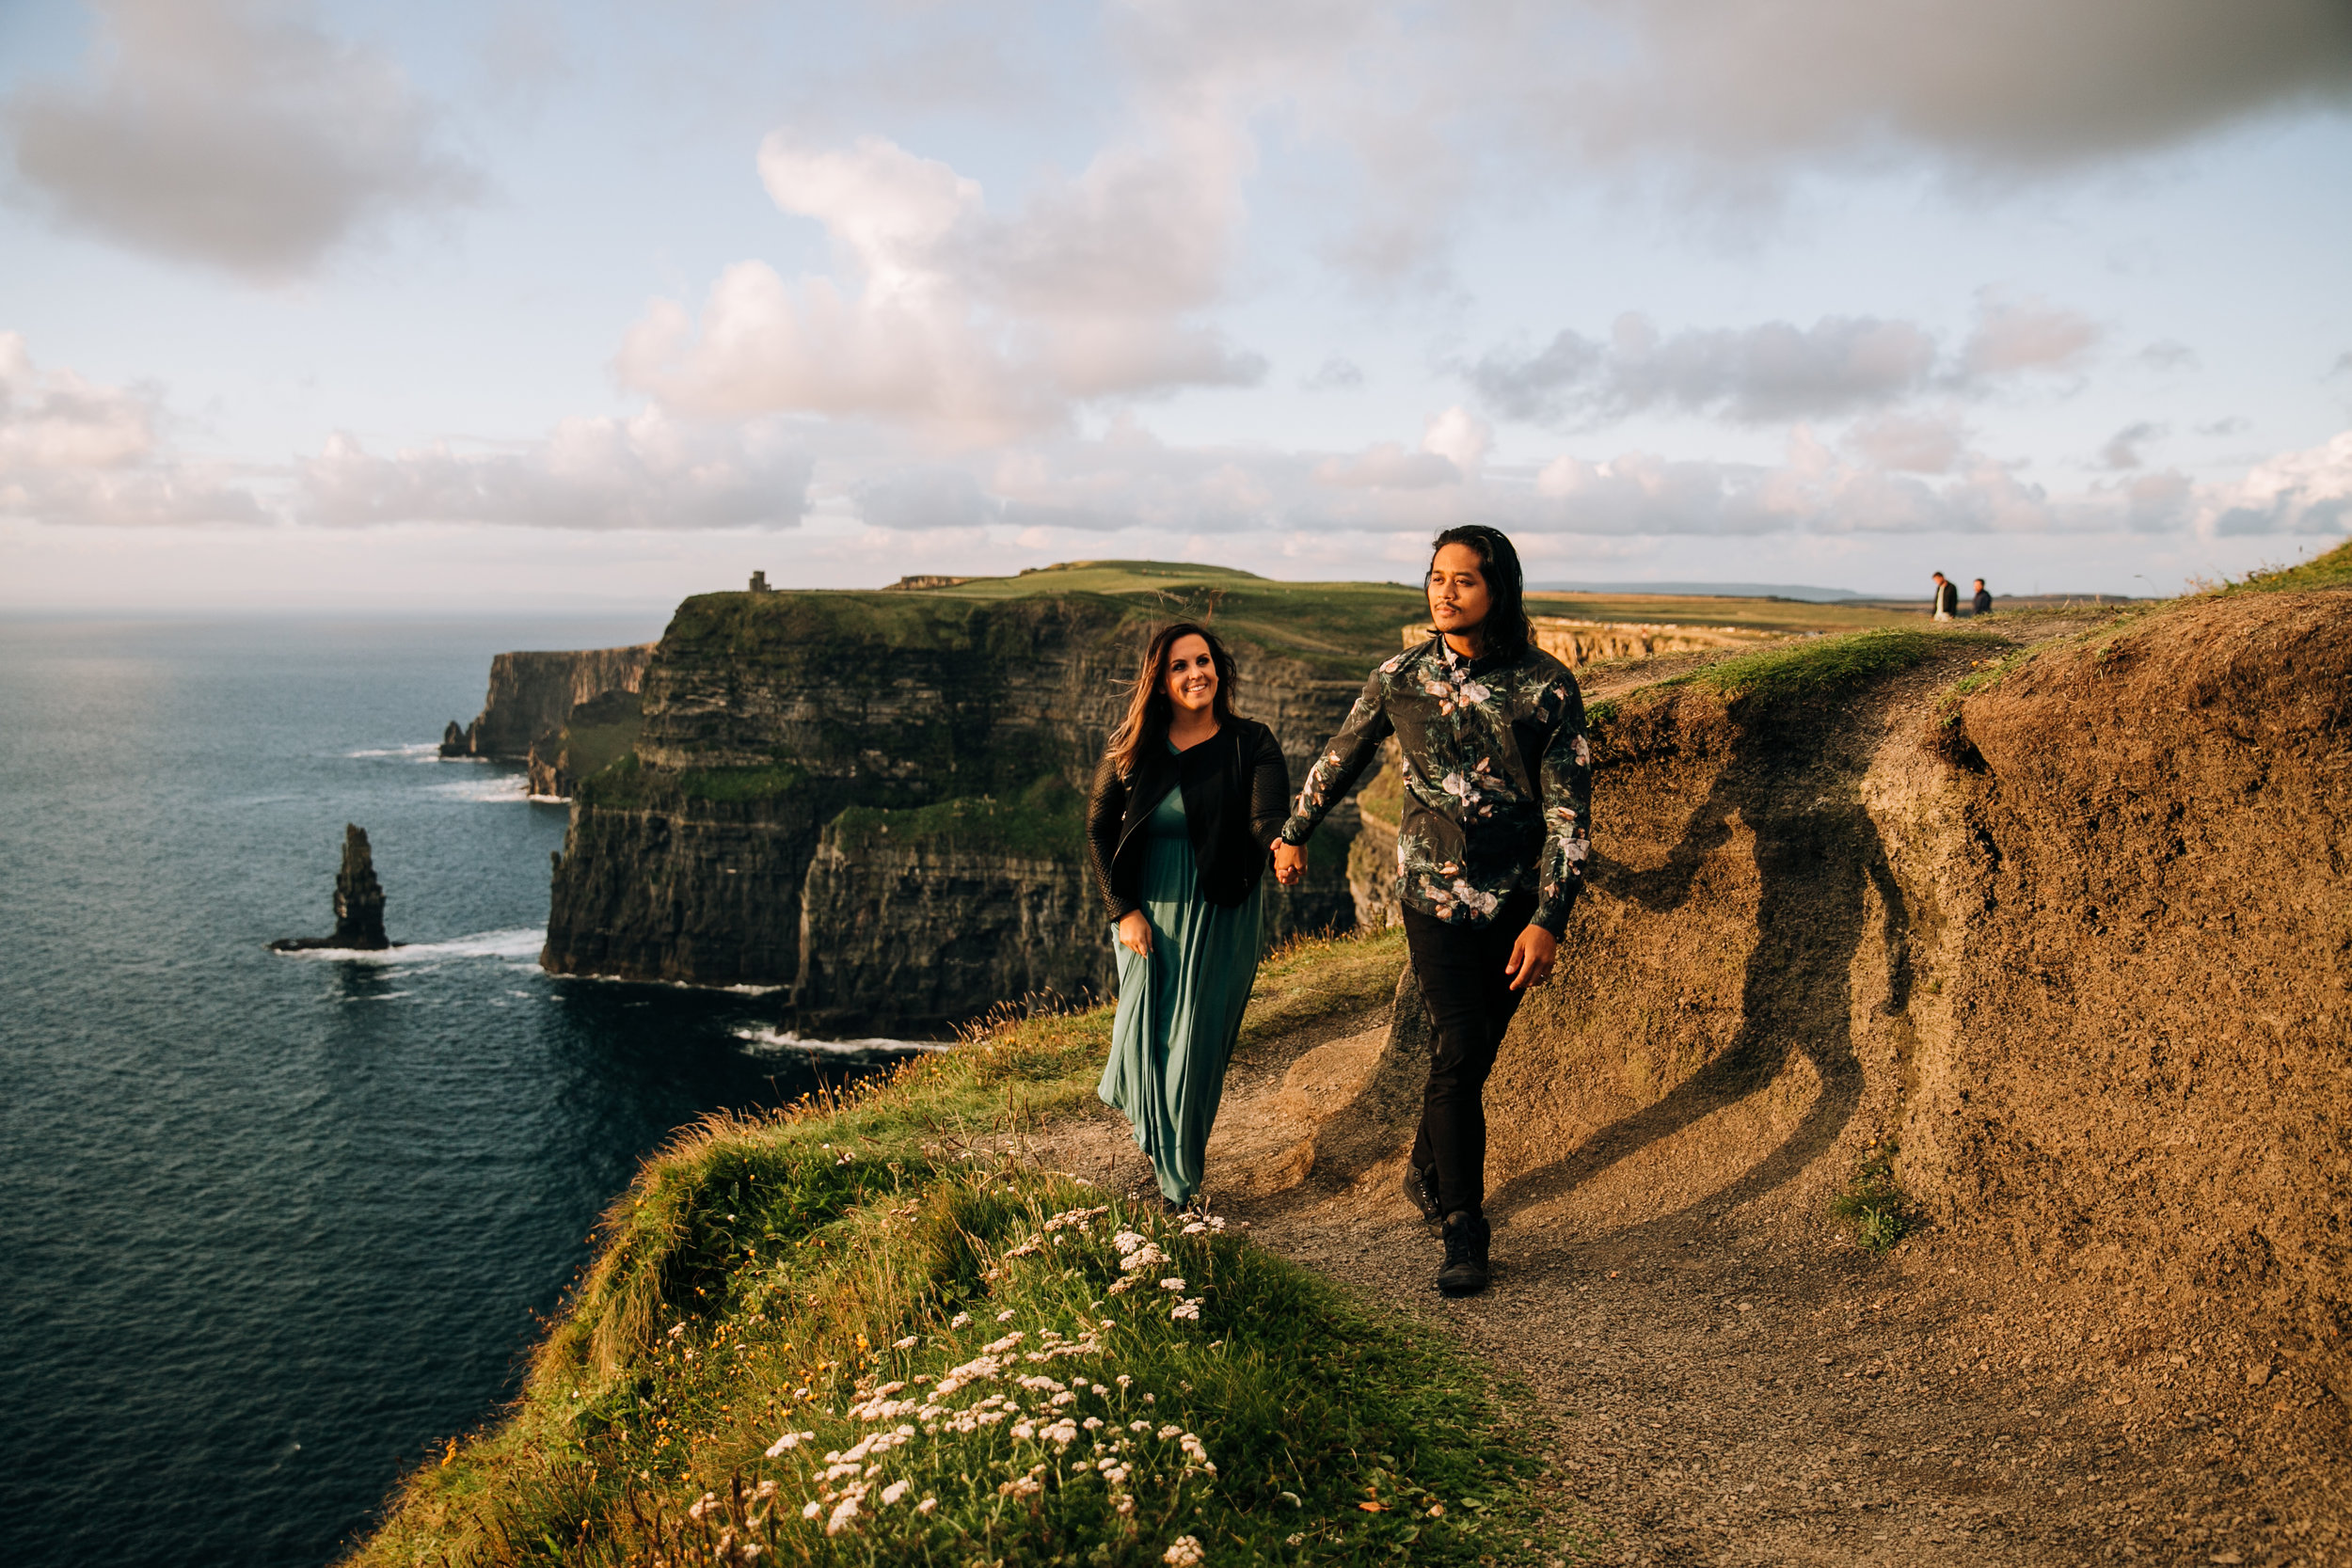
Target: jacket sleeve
<point>1567,784</point>
<point>1106,805</point>
<point>1344,756</point>
<point>1269,790</point>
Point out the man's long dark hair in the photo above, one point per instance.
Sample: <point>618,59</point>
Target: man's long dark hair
<point>1148,707</point>
<point>1506,631</point>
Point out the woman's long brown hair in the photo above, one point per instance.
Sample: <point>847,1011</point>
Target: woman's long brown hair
<point>1148,711</point>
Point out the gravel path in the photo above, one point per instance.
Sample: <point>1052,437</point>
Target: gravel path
<point>1749,1387</point>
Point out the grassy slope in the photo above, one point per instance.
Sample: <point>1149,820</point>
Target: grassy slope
<point>764,1276</point>
<point>2329,569</point>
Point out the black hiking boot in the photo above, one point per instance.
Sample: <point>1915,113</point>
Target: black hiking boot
<point>1420,1189</point>
<point>1464,1271</point>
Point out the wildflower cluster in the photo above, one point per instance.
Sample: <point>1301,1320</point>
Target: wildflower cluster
<point>1026,1406</point>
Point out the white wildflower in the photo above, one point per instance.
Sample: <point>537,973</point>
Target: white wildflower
<point>1005,1316</point>
<point>907,1343</point>
<point>893,1492</point>
<point>1094,1423</point>
<point>1168,1432</point>
<point>1183,1552</point>
<point>811,1510</point>
<point>1024,1429</point>
<point>927,1505</point>
<point>1175,1282</point>
<point>961,1320</point>
<point>677,1329</point>
<point>1127,1241</point>
<point>704,1507</point>
<point>788,1441</point>
<point>843,1511</point>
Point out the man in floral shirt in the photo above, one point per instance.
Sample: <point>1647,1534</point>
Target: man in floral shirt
<point>1490,850</point>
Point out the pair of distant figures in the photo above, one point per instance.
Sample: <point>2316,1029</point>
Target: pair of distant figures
<point>1946,602</point>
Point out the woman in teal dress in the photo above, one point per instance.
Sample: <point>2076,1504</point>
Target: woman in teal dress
<point>1186,800</point>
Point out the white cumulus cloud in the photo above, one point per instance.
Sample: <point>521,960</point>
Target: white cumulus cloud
<point>968,323</point>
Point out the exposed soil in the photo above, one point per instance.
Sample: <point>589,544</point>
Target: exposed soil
<point>1813,932</point>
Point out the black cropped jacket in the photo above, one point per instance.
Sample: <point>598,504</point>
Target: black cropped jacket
<point>1237,791</point>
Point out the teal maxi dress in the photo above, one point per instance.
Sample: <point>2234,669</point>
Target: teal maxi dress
<point>1180,1007</point>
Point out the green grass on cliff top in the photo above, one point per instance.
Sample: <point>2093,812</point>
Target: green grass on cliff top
<point>2329,569</point>
<point>784,1276</point>
<point>1339,628</point>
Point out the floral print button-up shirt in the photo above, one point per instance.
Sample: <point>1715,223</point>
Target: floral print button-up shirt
<point>1498,780</point>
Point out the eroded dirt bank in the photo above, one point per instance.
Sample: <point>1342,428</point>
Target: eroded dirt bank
<point>2084,957</point>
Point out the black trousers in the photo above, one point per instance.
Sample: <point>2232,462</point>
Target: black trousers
<point>1459,968</point>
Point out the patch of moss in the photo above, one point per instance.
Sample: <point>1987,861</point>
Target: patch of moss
<point>736,784</point>
<point>618,786</point>
<point>1046,821</point>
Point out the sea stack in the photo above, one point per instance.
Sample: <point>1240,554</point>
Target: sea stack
<point>358,904</point>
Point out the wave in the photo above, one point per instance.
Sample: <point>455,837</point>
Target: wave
<point>518,944</point>
<point>422,751</point>
<point>502,789</point>
<point>779,1041</point>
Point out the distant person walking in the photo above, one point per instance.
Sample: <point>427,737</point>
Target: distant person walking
<point>1185,801</point>
<point>1491,849</point>
<point>1946,598</point>
<point>1982,602</point>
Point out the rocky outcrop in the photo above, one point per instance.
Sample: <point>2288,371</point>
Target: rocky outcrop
<point>709,854</point>
<point>532,694</point>
<point>1576,644</point>
<point>358,904</point>
<point>597,733</point>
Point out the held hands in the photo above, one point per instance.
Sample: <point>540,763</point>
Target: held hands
<point>1531,957</point>
<point>1290,862</point>
<point>1134,933</point>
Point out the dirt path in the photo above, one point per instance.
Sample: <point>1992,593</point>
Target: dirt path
<point>1729,1378</point>
<point>1750,1387</point>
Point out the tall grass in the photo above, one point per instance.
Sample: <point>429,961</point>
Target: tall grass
<point>864,1330</point>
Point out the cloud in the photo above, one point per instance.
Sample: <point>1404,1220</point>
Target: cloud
<point>75,452</point>
<point>2307,492</point>
<point>2015,335</point>
<point>233,133</point>
<point>2167,354</point>
<point>648,471</point>
<point>2122,447</point>
<point>1776,370</point>
<point>971,325</point>
<point>1911,443</point>
<point>1993,82</point>
<point>1335,374</point>
<point>1128,483</point>
<point>1435,109</point>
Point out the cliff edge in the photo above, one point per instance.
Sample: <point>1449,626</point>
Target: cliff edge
<point>875,798</point>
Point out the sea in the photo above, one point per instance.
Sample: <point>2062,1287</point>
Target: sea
<point>273,1227</point>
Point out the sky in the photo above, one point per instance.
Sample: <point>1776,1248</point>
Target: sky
<point>536,307</point>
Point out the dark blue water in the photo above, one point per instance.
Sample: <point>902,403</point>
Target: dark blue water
<point>273,1225</point>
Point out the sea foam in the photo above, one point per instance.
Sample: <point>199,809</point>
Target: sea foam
<point>784,1041</point>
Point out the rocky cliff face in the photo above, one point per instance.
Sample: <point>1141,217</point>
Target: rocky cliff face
<point>532,694</point>
<point>717,852</point>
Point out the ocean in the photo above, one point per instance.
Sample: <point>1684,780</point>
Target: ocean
<point>275,1227</point>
